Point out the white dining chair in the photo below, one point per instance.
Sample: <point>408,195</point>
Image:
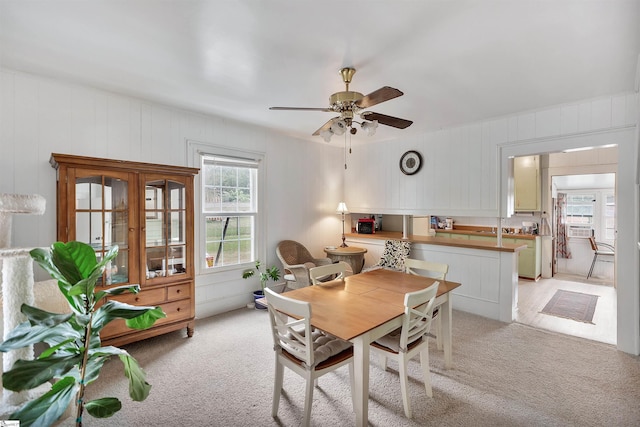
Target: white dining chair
<point>309,353</point>
<point>410,339</point>
<point>338,270</point>
<point>434,270</point>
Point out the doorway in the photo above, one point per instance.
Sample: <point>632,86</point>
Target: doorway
<point>589,210</point>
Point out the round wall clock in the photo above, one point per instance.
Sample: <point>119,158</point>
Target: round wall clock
<point>410,162</point>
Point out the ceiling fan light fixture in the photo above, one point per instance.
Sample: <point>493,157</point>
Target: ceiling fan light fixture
<point>349,104</point>
<point>370,127</point>
<point>338,127</point>
<point>326,135</point>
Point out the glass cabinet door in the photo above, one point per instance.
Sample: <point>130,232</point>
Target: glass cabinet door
<point>165,236</point>
<point>102,219</point>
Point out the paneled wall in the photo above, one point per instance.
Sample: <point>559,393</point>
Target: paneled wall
<point>459,176</point>
<point>39,116</point>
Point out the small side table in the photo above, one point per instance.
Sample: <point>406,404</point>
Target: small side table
<point>351,255</point>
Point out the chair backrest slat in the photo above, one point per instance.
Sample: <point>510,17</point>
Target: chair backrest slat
<point>418,314</point>
<point>291,334</point>
<point>418,267</point>
<point>318,273</point>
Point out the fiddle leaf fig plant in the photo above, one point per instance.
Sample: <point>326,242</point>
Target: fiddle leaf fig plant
<point>74,356</point>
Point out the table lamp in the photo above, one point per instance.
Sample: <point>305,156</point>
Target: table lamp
<point>342,209</point>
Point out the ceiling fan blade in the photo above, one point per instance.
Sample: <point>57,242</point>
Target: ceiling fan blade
<point>376,97</point>
<point>325,126</point>
<point>300,109</point>
<point>386,120</point>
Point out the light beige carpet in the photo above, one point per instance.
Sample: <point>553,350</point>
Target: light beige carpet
<point>503,375</point>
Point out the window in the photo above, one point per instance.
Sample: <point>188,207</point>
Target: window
<point>580,211</point>
<point>229,209</point>
<point>609,217</point>
<point>591,213</point>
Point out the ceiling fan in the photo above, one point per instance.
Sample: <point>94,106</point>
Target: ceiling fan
<point>349,104</point>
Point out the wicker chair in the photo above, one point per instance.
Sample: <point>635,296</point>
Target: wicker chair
<point>297,261</point>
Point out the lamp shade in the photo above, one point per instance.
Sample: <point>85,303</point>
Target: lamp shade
<point>338,127</point>
<point>370,127</point>
<point>342,208</point>
<point>326,134</point>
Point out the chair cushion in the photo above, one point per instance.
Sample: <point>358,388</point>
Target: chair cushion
<point>394,254</point>
<point>391,340</point>
<point>326,346</point>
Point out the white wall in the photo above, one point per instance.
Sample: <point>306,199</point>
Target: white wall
<point>463,172</point>
<point>39,116</point>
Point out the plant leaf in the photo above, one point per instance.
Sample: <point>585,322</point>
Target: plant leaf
<point>25,334</point>
<point>37,316</point>
<point>273,273</point>
<point>58,347</point>
<point>134,289</point>
<point>108,350</point>
<point>45,260</point>
<point>46,409</point>
<point>75,260</point>
<point>27,374</point>
<point>94,365</point>
<point>103,408</point>
<point>147,319</point>
<point>119,310</point>
<point>138,386</point>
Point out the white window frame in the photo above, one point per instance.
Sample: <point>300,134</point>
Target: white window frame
<point>599,223</point>
<point>195,151</point>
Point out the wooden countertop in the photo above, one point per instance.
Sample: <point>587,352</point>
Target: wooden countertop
<point>477,233</point>
<point>481,233</point>
<point>444,241</point>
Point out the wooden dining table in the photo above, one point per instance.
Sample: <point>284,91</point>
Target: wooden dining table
<point>366,306</point>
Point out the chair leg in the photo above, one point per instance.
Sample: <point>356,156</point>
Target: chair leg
<point>426,372</point>
<point>352,380</point>
<point>383,361</point>
<point>593,263</point>
<point>308,401</point>
<point>404,386</point>
<point>438,328</point>
<point>277,387</point>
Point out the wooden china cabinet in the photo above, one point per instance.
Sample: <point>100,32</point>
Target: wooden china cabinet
<point>147,210</point>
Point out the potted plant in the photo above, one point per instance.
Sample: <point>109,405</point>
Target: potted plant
<point>266,274</point>
<point>74,356</point>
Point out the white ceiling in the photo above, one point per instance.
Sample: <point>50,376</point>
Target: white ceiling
<point>456,61</point>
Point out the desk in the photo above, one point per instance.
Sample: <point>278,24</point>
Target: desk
<point>365,307</point>
<point>350,254</point>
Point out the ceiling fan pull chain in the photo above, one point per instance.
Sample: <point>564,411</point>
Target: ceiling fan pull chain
<point>345,149</point>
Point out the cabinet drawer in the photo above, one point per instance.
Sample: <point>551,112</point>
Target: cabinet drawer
<point>178,310</point>
<point>146,297</point>
<point>178,292</point>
